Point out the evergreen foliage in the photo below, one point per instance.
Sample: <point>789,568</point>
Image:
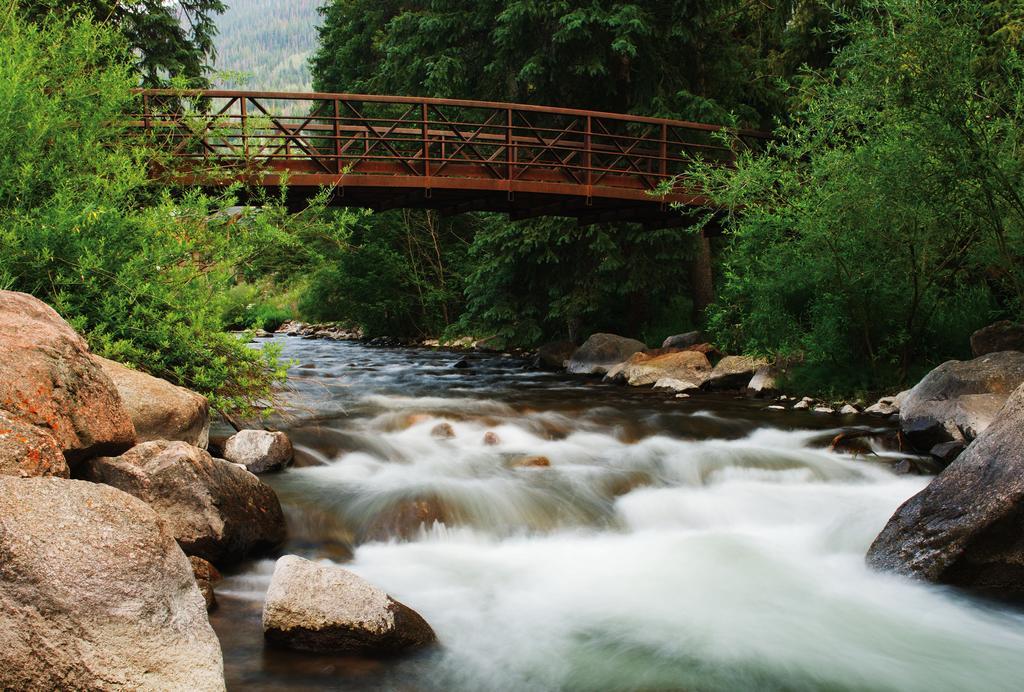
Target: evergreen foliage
<point>170,41</point>
<point>692,59</point>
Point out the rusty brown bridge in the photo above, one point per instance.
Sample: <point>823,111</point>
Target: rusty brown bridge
<point>387,152</point>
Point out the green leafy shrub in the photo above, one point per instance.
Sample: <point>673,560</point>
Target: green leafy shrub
<point>886,223</point>
<point>81,227</point>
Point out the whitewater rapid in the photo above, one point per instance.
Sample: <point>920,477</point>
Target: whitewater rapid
<point>663,546</point>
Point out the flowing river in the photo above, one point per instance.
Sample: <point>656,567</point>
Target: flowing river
<point>682,544</point>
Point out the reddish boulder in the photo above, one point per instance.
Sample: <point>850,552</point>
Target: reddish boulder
<point>49,379</point>
<point>28,451</point>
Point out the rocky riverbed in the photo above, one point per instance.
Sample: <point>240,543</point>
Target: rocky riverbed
<point>423,519</point>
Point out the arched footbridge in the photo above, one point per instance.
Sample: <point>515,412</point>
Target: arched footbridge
<point>387,152</point>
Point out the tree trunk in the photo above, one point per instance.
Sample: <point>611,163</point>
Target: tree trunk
<point>701,279</point>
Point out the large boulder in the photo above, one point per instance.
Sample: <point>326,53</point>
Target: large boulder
<point>49,379</point>
<point>28,451</point>
<point>734,372</point>
<point>95,594</point>
<point>216,510</point>
<point>160,410</point>
<point>967,527</point>
<point>959,399</point>
<point>684,340</point>
<point>259,451</point>
<point>642,369</point>
<point>601,352</point>
<point>1001,336</point>
<point>318,607</point>
<point>555,355</point>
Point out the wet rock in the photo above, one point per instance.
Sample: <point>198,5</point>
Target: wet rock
<point>491,439</point>
<point>323,608</point>
<point>160,410</point>
<point>966,528</point>
<point>601,352</point>
<point>947,452</point>
<point>443,431</point>
<point>802,405</point>
<point>643,369</point>
<point>524,462</point>
<point>95,594</point>
<point>959,399</point>
<point>461,364</point>
<point>259,451</point>
<point>405,519</point>
<point>734,372</point>
<point>206,576</point>
<point>49,379</point>
<point>824,409</point>
<point>1001,336</point>
<point>849,410</point>
<point>763,383</point>
<point>217,511</point>
<point>903,467</point>
<point>775,407</point>
<point>676,385</point>
<point>555,355</point>
<point>684,340</point>
<point>27,451</point>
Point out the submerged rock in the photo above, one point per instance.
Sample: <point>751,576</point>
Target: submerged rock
<point>529,461</point>
<point>217,510</point>
<point>1001,336</point>
<point>967,527</point>
<point>27,451</point>
<point>49,379</point>
<point>601,352</point>
<point>259,451</point>
<point>95,594</point>
<point>323,608</point>
<point>443,431</point>
<point>158,409</point>
<point>959,399</point>
<point>555,355</point>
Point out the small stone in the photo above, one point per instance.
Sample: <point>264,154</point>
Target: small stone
<point>259,451</point>
<point>903,467</point>
<point>849,410</point>
<point>801,406</point>
<point>684,395</point>
<point>443,431</point>
<point>491,438</point>
<point>824,409</point>
<point>461,364</point>
<point>776,407</point>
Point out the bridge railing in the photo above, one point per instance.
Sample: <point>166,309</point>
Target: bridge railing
<point>327,136</point>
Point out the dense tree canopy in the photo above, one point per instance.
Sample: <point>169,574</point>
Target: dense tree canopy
<point>170,40</point>
<point>701,60</point>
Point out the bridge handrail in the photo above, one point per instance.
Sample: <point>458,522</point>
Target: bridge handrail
<point>460,103</point>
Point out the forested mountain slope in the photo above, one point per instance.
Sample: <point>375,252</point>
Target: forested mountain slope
<point>268,40</point>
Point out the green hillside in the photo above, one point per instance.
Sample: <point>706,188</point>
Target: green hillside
<point>269,41</point>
